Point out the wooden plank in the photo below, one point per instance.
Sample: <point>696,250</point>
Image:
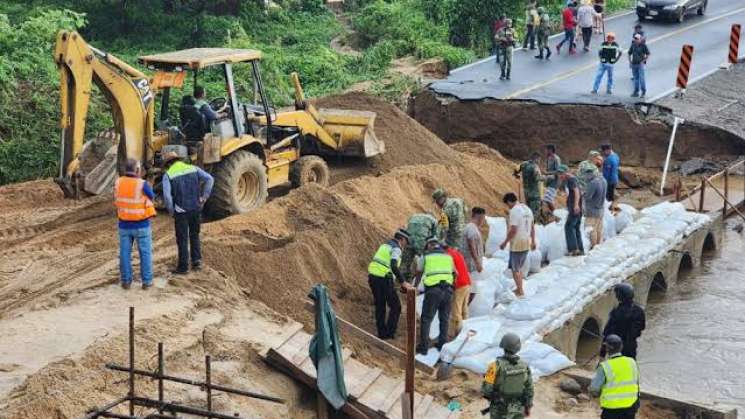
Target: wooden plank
<point>278,360</point>
<point>291,331</point>
<point>359,377</point>
<point>351,329</point>
<point>393,396</point>
<point>377,394</point>
<point>422,403</point>
<point>354,409</point>
<point>310,369</point>
<point>436,411</point>
<point>294,345</point>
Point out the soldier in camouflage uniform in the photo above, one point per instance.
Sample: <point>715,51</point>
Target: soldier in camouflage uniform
<point>588,169</point>
<point>455,222</point>
<point>532,178</point>
<point>420,227</point>
<point>506,41</point>
<point>507,383</point>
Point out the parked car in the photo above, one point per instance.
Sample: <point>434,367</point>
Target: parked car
<point>669,9</point>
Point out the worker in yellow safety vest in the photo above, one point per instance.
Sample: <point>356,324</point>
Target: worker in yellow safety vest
<point>380,273</point>
<point>616,382</point>
<point>436,270</point>
<point>133,198</point>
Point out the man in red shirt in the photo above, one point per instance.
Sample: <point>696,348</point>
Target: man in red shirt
<point>462,287</point>
<point>569,21</point>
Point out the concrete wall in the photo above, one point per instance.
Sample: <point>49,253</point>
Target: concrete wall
<point>687,254</point>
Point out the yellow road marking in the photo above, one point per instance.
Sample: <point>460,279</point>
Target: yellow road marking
<point>589,66</point>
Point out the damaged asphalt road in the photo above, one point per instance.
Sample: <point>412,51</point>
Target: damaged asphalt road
<point>568,79</point>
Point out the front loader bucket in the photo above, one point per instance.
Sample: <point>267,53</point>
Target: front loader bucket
<point>353,130</point>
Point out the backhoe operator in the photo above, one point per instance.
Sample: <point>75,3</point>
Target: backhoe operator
<point>204,107</point>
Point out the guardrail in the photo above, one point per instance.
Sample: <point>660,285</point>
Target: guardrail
<point>681,193</point>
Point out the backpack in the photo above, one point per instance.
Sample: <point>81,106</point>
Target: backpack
<point>511,379</point>
<point>420,228</point>
<point>545,24</point>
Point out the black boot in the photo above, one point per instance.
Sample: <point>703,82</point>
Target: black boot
<point>548,53</point>
<point>508,75</point>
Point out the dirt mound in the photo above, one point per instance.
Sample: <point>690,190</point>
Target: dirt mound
<point>406,141</point>
<point>328,235</point>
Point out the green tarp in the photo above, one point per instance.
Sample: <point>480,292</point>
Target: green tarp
<point>325,350</point>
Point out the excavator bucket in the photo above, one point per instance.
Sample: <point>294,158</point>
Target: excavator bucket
<point>353,130</point>
<point>347,132</point>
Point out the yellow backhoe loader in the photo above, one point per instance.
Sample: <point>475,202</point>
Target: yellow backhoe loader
<point>249,148</point>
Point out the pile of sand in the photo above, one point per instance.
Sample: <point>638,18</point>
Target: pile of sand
<point>328,235</point>
<point>406,141</point>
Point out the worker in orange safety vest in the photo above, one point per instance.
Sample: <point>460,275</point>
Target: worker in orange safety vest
<point>133,198</point>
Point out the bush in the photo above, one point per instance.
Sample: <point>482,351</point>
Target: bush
<point>28,79</point>
<point>453,56</point>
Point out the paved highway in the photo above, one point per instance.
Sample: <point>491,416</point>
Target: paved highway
<point>568,78</point>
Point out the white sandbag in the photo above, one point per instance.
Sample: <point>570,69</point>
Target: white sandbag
<point>479,363</point>
<point>624,218</point>
<point>556,241</point>
<point>524,310</point>
<point>497,234</point>
<point>544,360</point>
<point>483,302</point>
<point>534,261</point>
<point>609,222</point>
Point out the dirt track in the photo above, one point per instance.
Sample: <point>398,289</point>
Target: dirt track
<point>60,302</point>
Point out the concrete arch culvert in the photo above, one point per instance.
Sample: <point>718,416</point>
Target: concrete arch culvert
<point>658,286</point>
<point>685,266</point>
<point>710,244</point>
<point>588,341</point>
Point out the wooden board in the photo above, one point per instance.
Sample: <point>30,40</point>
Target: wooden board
<point>372,393</point>
<point>376,396</point>
<point>359,377</point>
<point>352,330</point>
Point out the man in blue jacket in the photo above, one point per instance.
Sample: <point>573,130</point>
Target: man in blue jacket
<point>611,166</point>
<point>185,190</point>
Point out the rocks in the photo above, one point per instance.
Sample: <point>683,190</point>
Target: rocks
<point>583,397</point>
<point>571,386</point>
<point>631,178</point>
<point>698,165</point>
<point>571,402</point>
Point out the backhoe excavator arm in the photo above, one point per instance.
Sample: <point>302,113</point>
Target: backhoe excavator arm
<point>127,91</point>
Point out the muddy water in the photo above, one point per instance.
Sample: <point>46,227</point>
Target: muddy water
<point>694,346</point>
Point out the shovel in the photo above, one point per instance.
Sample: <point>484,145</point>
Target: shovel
<point>444,371</point>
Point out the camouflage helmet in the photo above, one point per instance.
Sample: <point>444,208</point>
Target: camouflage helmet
<point>402,234</point>
<point>433,241</point>
<point>508,22</point>
<point>510,343</point>
<point>541,10</point>
<point>439,193</point>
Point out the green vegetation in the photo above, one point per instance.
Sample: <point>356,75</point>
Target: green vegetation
<point>295,35</point>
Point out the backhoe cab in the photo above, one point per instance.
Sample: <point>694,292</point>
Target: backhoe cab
<point>250,148</point>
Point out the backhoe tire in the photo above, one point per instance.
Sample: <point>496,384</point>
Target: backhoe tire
<point>309,169</point>
<point>240,185</point>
